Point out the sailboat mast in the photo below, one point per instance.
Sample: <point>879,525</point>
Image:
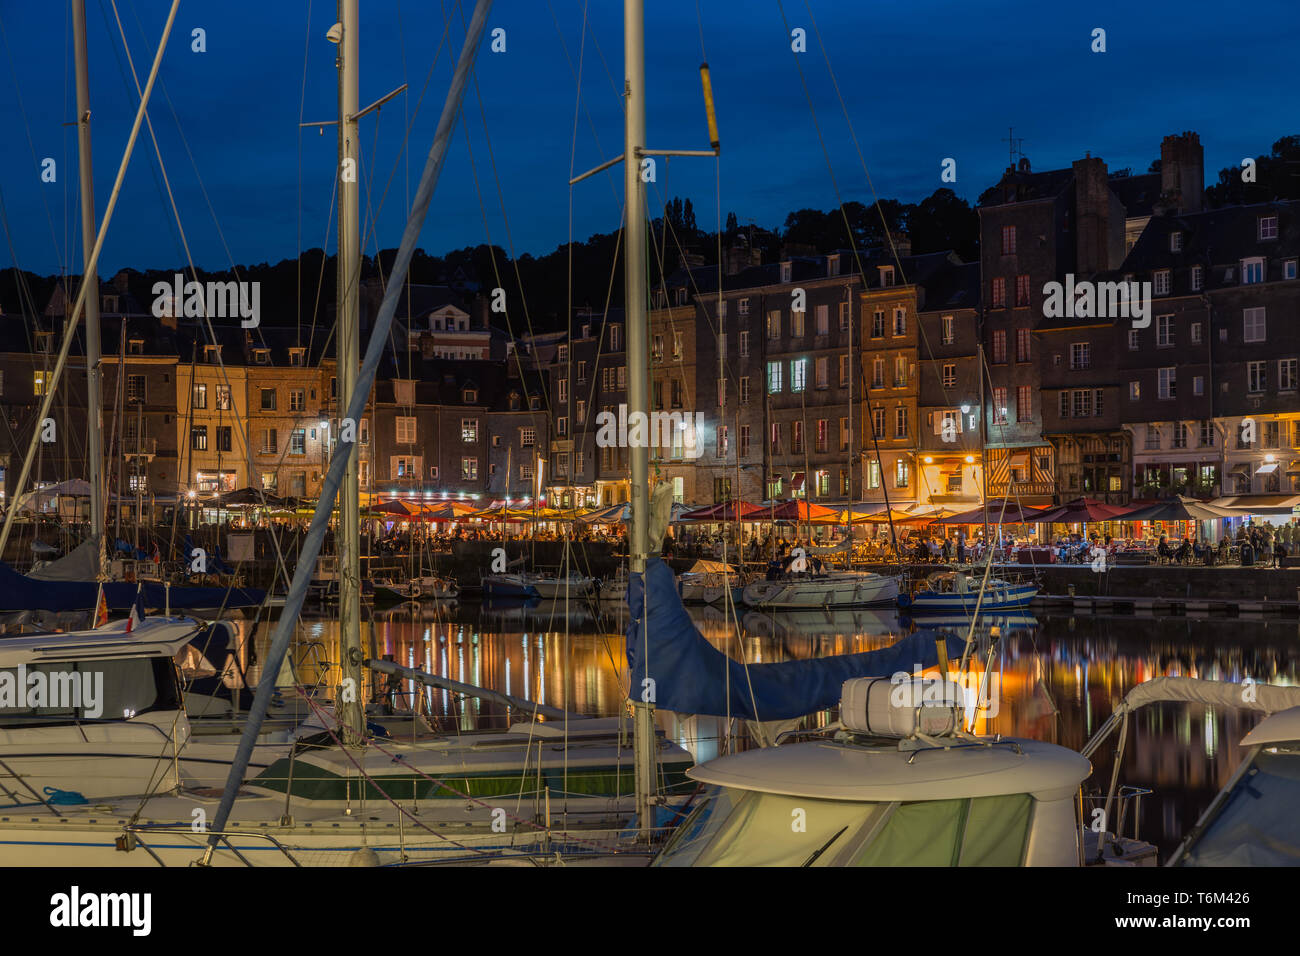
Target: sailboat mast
<point>349,352</point>
<point>638,381</point>
<point>95,415</point>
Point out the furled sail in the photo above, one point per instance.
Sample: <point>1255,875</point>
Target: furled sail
<point>690,676</point>
<point>18,592</point>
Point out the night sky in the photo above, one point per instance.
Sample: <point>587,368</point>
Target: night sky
<point>923,80</point>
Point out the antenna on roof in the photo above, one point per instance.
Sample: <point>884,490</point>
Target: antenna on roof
<point>1013,147</point>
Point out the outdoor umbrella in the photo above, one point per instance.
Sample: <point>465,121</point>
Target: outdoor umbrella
<point>1086,510</point>
<point>246,496</point>
<point>394,507</point>
<point>798,511</point>
<point>1014,514</point>
<point>727,511</point>
<point>1179,508</point>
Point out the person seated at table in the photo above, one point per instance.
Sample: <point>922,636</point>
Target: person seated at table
<point>1184,550</point>
<point>1162,551</point>
<point>1198,552</point>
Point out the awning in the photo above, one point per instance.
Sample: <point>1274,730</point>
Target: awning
<point>1258,504</point>
<point>796,481</point>
<point>1240,469</point>
<point>1267,468</point>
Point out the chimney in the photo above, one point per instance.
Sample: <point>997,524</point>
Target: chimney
<point>902,244</point>
<point>1092,215</point>
<point>1182,172</point>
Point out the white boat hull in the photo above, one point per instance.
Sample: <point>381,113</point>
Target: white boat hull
<point>834,590</point>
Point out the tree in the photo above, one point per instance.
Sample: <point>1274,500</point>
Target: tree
<point>1277,176</point>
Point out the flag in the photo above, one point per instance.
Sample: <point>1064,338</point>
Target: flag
<point>157,554</point>
<point>101,609</point>
<point>137,610</point>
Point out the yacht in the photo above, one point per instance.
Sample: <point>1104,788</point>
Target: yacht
<point>956,592</point>
<point>830,590</point>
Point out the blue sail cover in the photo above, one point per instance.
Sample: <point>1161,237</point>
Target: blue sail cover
<point>693,677</point>
<point>18,592</point>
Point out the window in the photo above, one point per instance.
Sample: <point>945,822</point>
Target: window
<point>844,316</point>
<point>878,324</point>
<point>298,441</point>
<point>900,321</point>
<point>1206,437</point>
<point>822,369</point>
<point>262,356</point>
<point>1252,321</point>
<point>1134,340</point>
<point>562,425</point>
<point>844,434</point>
<point>297,400</point>
<point>873,474</point>
<point>1164,331</point>
<point>1272,434</point>
<point>1134,391</point>
<point>1268,227</point>
<point>774,324</point>
<point>582,372</point>
<point>469,430</point>
<point>1168,383</point>
<point>844,370</point>
<point>774,438</point>
<point>878,422</point>
<point>1198,384</point>
<point>1008,240</point>
<point>797,324</point>
<point>677,392</point>
<point>999,346</point>
<point>878,372</point>
<point>1180,435</point>
<point>743,384</point>
<point>200,395</point>
<point>786,269</point>
<point>364,431</point>
<point>1024,404</point>
<point>886,275</point>
<point>1161,282</point>
<point>1197,278</point>
<point>615,343</point>
<point>135,389</point>
<point>902,473</point>
<point>1286,375</point>
<point>744,343</point>
<point>1252,271</point>
<point>469,469</point>
<point>949,376</point>
<point>405,429</point>
<point>270,445</point>
<point>1175,242</point>
<point>1063,404</point>
<point>1255,376</point>
<point>622,376</point>
<point>721,451</point>
<point>900,371</point>
<point>999,293</point>
<point>1022,292</point>
<point>744,306</point>
<point>1195,328</point>
<point>199,438</point>
<point>223,438</point>
<point>268,399</point>
<point>743,450</point>
<point>821,440</point>
<point>562,389</point>
<point>948,332</point>
<point>1080,355</point>
<point>223,398</point>
<point>1022,345</point>
<point>774,370</point>
<point>1289,269</point>
<point>1082,403</point>
<point>999,406</point>
<point>796,437</point>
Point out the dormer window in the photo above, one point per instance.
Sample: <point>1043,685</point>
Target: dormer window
<point>211,353</point>
<point>262,356</point>
<point>886,275</point>
<point>109,304</point>
<point>1175,242</point>
<point>534,403</point>
<point>586,331</point>
<point>681,296</point>
<point>436,323</point>
<point>1267,227</point>
<point>562,354</point>
<point>43,340</point>
<point>470,396</point>
<point>833,265</point>
<point>136,346</point>
<point>514,401</point>
<point>1252,270</point>
<point>615,337</point>
<point>297,357</point>
<point>787,268</point>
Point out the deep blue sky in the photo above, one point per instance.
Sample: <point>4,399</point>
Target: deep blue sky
<point>922,79</point>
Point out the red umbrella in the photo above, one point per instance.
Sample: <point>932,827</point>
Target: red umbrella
<point>726,511</point>
<point>1081,509</point>
<point>797,511</point>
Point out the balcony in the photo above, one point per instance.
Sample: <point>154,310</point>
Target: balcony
<point>138,447</point>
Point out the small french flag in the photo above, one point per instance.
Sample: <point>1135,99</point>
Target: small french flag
<point>137,610</point>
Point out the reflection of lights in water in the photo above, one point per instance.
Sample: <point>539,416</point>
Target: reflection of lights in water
<point>507,675</point>
<point>1211,743</point>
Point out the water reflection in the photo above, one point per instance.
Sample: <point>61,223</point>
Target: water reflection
<point>1058,678</point>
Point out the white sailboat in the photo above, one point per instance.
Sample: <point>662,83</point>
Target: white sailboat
<point>834,589</point>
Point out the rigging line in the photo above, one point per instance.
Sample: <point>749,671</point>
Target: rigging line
<point>64,265</point>
<point>320,275</point>
<point>852,133</point>
<point>302,107</point>
<point>225,375</point>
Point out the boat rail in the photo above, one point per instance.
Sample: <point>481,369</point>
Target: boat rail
<point>130,839</point>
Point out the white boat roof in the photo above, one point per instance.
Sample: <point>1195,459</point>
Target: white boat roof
<point>829,770</point>
<point>153,637</point>
<point>1282,727</point>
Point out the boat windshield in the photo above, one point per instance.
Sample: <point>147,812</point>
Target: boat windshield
<point>67,692</point>
<point>1257,824</point>
<point>746,828</point>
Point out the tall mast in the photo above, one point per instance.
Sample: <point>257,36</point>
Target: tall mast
<point>638,382</point>
<point>95,414</point>
<point>349,352</point>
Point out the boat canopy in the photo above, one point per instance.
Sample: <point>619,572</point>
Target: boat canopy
<point>154,637</point>
<point>18,592</point>
<point>1269,698</point>
<point>692,677</point>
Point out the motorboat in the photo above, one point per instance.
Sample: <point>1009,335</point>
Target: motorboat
<point>707,582</point>
<point>833,589</point>
<point>557,586</point>
<point>514,586</point>
<point>956,592</point>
